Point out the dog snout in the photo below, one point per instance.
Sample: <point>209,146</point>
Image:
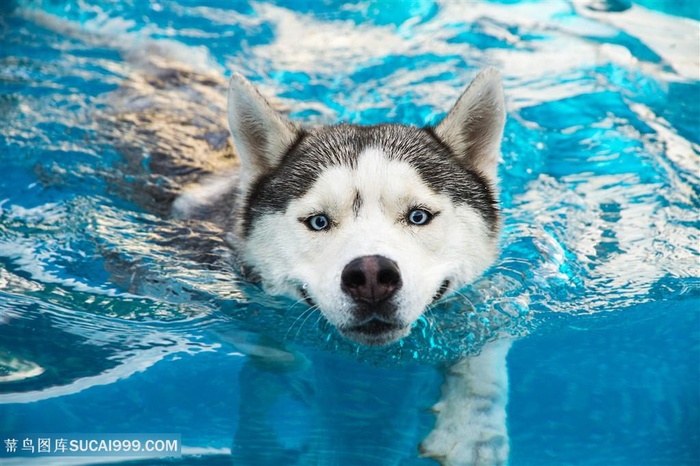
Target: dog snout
<point>371,279</point>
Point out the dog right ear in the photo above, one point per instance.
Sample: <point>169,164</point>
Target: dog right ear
<point>473,129</point>
<point>260,134</point>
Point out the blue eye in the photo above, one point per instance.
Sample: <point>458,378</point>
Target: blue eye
<point>419,217</point>
<point>318,222</point>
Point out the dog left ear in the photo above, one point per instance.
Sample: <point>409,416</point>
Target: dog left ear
<point>261,135</point>
<point>473,129</point>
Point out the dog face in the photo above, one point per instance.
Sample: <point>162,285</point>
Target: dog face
<point>369,224</point>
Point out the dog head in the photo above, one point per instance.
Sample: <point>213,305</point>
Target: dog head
<point>369,224</point>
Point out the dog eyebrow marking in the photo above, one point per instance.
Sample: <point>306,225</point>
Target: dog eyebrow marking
<point>357,204</point>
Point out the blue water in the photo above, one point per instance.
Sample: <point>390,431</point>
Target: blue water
<point>107,326</point>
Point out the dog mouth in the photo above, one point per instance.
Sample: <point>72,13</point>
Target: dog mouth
<point>305,295</point>
<point>374,327</point>
<point>374,332</point>
<point>441,291</point>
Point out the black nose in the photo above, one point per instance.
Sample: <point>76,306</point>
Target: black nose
<point>371,279</point>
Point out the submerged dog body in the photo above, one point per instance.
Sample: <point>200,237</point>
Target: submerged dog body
<point>369,224</point>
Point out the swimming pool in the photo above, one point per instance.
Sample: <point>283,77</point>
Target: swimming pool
<point>107,326</point>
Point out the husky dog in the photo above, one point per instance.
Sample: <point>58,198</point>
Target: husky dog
<point>371,225</point>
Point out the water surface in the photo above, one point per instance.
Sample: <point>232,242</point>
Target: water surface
<point>109,324</point>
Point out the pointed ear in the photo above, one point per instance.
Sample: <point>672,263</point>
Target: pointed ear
<point>473,129</point>
<point>260,134</point>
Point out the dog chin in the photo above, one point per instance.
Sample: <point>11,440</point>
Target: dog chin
<point>375,332</point>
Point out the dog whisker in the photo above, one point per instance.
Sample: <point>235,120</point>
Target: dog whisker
<point>310,312</point>
<point>464,297</point>
<point>307,312</point>
<point>432,319</point>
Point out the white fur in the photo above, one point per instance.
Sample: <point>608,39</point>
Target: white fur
<point>205,192</point>
<point>470,429</point>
